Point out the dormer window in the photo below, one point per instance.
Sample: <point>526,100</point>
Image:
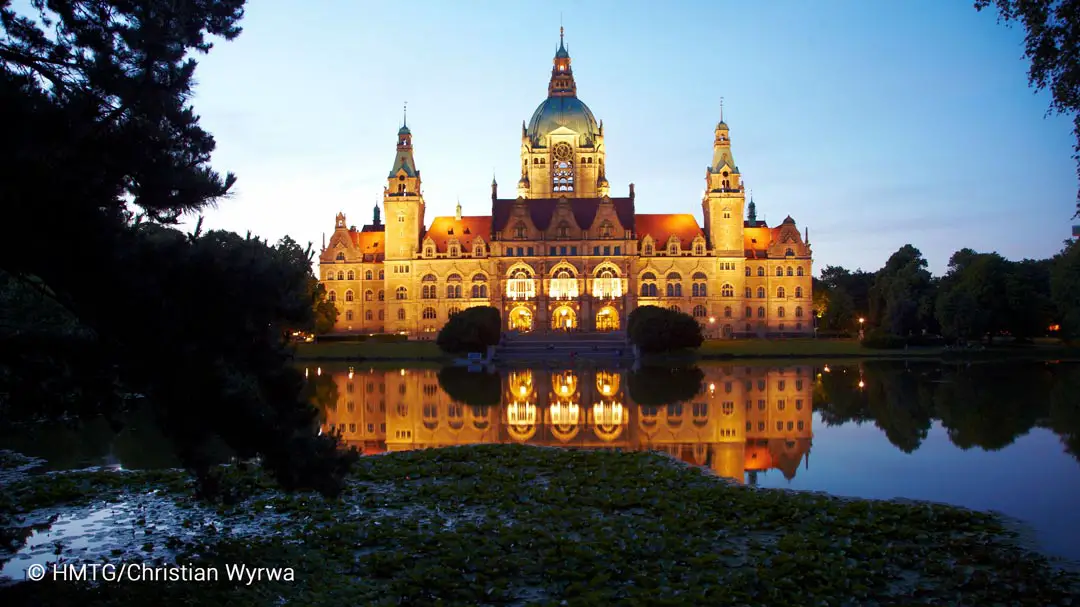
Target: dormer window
<point>520,230</point>
<point>648,249</point>
<point>606,229</point>
<point>454,250</point>
<point>429,250</point>
<point>699,249</point>
<point>673,249</point>
<point>340,257</point>
<point>478,251</point>
<point>564,229</point>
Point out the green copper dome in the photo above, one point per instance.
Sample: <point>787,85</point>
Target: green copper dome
<point>569,112</point>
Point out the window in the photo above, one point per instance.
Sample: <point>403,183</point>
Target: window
<point>382,274</point>
<point>761,292</point>
<point>562,251</point>
<point>349,296</point>
<point>563,229</point>
<point>380,315</point>
<point>648,290</point>
<point>699,249</point>
<point>562,177</point>
<point>780,292</point>
<point>401,293</point>
<point>673,249</point>
<point>696,291</point>
<point>798,326</point>
<point>781,385</point>
<point>479,291</point>
<point>520,252</point>
<point>367,315</point>
<point>606,229</point>
<point>727,291</point>
<point>798,386</point>
<point>596,250</point>
<point>401,314</point>
<point>618,250</point>
<point>747,270</point>
<point>700,311</point>
<point>789,272</point>
<point>780,312</point>
<point>367,275</point>
<point>749,313</point>
<point>332,296</point>
<point>329,276</point>
<point>607,250</point>
<point>798,404</point>
<point>648,276</point>
<point>761,312</point>
<point>798,292</point>
<point>340,257</point>
<point>727,213</point>
<point>761,271</point>
<point>341,276</point>
<point>648,249</point>
<point>351,276</point>
<point>748,292</point>
<point>727,311</point>
<point>798,311</point>
<point>429,250</point>
<point>674,276</point>
<point>428,292</point>
<point>453,310</point>
<point>781,327</point>
<point>453,291</point>
<point>674,308</point>
<point>520,230</point>
<point>429,313</point>
<point>401,216</point>
<point>348,314</point>
<point>748,327</point>
<point>381,297</point>
<point>530,251</point>
<point>779,271</point>
<point>799,271</point>
<point>454,250</point>
<point>674,289</point>
<point>552,251</point>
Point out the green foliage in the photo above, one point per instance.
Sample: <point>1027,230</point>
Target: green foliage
<point>653,329</point>
<point>477,389</point>
<point>1065,289</point>
<point>664,385</point>
<point>471,330</point>
<point>878,339</point>
<point>110,154</point>
<point>842,297</point>
<point>1053,46</point>
<point>902,296</point>
<point>326,313</point>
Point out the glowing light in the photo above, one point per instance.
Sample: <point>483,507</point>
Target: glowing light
<point>565,389</point>
<point>606,389</point>
<point>306,370</point>
<point>861,384</point>
<point>565,312</point>
<point>712,388</point>
<point>712,319</point>
<point>861,320</point>
<point>403,372</point>
<point>827,370</point>
<point>318,371</point>
<point>522,390</point>
<point>351,372</point>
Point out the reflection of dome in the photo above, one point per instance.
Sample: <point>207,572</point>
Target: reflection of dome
<point>567,112</point>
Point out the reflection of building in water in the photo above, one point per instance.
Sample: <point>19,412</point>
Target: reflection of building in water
<point>743,419</point>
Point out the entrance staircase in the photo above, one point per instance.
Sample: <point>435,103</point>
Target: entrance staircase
<point>564,346</point>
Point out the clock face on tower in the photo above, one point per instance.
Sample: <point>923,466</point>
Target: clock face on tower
<point>562,151</point>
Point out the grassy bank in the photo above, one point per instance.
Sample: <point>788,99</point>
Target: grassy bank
<point>506,524</point>
<point>369,350</point>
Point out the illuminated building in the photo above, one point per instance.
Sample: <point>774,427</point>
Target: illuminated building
<point>564,253</point>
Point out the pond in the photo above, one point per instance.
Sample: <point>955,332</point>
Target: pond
<point>990,436</point>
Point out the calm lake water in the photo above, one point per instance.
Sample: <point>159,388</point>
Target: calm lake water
<point>994,436</point>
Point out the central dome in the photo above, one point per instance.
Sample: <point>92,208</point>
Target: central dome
<point>569,112</point>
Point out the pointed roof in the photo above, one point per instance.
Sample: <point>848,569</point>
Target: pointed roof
<point>663,226</point>
<point>561,52</point>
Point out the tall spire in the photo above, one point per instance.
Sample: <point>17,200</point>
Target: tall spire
<point>751,210</point>
<point>405,113</point>
<point>375,220</point>
<point>562,77</point>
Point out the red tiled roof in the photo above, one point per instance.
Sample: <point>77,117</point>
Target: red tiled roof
<point>756,241</point>
<point>541,211</point>
<point>662,226</point>
<point>372,244</point>
<point>465,229</point>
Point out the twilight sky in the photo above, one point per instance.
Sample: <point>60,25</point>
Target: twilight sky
<point>873,124</point>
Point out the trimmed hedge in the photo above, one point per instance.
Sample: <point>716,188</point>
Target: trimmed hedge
<point>655,329</point>
<point>383,338</point>
<point>471,330</point>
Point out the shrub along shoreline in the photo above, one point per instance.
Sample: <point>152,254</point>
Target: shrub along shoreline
<point>498,524</point>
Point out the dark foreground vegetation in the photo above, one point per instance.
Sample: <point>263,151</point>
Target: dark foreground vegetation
<point>105,302</point>
<point>493,525</point>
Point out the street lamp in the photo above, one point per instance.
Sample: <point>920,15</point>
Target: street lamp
<point>861,321</point>
<point>712,321</point>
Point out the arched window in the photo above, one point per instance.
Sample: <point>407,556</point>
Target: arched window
<point>368,295</point>
<point>799,271</point>
<point>674,276</point>
<point>478,250</point>
<point>351,276</point>
<point>331,296</point>
<point>606,229</point>
<point>798,311</point>
<point>779,271</point>
<point>453,310</point>
<point>341,275</point>
<point>798,292</point>
<point>520,231</point>
<point>780,292</point>
<point>429,314</point>
<point>429,250</point>
<point>675,308</point>
<point>453,291</point>
<point>455,250</point>
<point>673,249</point>
<point>401,293</point>
<point>780,312</point>
<point>340,257</point>
<point>700,311</point>
<point>748,292</point>
<point>674,289</point>
<point>761,270</point>
<point>747,270</point>
<point>694,290</point>
<point>727,311</point>
<point>727,290</point>
<point>749,312</point>
<point>349,296</point>
<point>382,274</point>
<point>367,275</point>
<point>401,314</point>
<point>761,292</point>
<point>428,292</point>
<point>348,316</point>
<point>367,315</point>
<point>428,278</point>
<point>761,312</point>
<point>699,249</point>
<point>789,253</point>
<point>381,295</point>
<point>699,276</point>
<point>790,271</point>
<point>648,249</point>
<point>329,276</point>
<point>648,276</point>
<point>562,178</point>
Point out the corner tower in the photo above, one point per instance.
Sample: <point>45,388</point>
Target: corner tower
<point>724,197</point>
<point>562,147</point>
<point>403,201</point>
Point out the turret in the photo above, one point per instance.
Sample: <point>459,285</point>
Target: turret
<point>724,198</point>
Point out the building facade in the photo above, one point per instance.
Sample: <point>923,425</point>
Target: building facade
<point>744,420</point>
<point>564,254</point>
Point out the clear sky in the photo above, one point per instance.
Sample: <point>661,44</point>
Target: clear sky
<point>874,124</point>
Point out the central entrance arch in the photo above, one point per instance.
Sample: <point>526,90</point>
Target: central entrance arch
<point>607,319</point>
<point>521,319</point>
<point>564,318</point>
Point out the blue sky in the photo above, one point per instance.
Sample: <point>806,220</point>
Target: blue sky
<point>874,124</point>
